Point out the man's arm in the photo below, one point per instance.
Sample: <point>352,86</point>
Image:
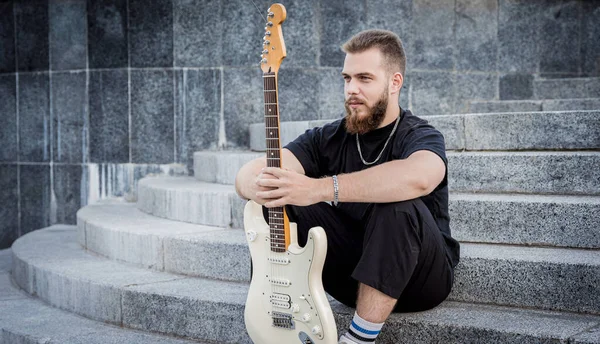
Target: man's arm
<point>246,178</point>
<point>393,181</point>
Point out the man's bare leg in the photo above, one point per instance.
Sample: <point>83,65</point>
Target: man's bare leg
<point>372,309</point>
<point>373,305</point>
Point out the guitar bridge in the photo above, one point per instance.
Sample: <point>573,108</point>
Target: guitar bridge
<point>283,320</point>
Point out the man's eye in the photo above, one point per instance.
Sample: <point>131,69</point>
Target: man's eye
<point>365,78</point>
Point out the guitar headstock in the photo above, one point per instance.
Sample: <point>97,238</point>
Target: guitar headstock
<point>273,46</point>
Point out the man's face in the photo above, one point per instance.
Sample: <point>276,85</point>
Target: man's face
<point>366,90</point>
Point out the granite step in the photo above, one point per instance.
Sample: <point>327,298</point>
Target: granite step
<point>122,232</point>
<point>566,88</point>
<point>189,200</point>
<point>484,131</point>
<point>542,220</point>
<point>567,106</point>
<point>51,264</point>
<point>495,274</point>
<point>28,320</point>
<point>569,173</point>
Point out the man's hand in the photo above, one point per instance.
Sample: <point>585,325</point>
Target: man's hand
<point>279,187</point>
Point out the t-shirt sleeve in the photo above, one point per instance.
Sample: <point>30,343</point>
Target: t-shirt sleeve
<point>425,137</point>
<point>306,148</point>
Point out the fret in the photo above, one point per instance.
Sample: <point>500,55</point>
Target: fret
<point>268,75</point>
<point>270,90</point>
<point>270,103</point>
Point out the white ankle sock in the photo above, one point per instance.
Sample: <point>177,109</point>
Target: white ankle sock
<point>362,331</point>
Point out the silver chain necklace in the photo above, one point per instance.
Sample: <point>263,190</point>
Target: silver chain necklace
<point>386,143</point>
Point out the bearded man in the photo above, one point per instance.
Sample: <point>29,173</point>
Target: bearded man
<point>376,181</point>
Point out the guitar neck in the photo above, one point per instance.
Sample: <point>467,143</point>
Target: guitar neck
<point>278,221</point>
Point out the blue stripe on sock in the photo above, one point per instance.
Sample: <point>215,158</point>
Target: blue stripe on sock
<point>363,330</point>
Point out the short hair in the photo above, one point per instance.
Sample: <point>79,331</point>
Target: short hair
<point>387,42</point>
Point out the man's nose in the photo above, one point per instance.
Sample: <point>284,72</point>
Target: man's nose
<point>351,87</point>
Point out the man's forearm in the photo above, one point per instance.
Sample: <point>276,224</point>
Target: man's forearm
<point>392,181</point>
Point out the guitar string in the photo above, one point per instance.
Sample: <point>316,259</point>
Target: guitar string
<point>259,12</point>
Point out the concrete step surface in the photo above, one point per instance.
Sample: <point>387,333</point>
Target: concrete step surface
<point>543,220</point>
<point>571,173</point>
<point>28,320</point>
<point>224,255</point>
<point>486,131</point>
<point>566,105</point>
<point>566,88</point>
<point>189,200</point>
<point>51,264</point>
<point>120,231</point>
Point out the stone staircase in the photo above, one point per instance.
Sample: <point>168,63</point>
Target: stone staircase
<point>174,266</point>
<point>549,95</point>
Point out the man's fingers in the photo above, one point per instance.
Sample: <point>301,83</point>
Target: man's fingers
<point>273,183</point>
<point>270,194</point>
<point>275,203</point>
<point>276,171</point>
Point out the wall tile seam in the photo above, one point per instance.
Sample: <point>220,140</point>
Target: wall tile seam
<point>128,82</point>
<point>19,230</point>
<point>52,211</point>
<point>222,139</point>
<point>579,37</point>
<point>174,82</point>
<point>497,88</point>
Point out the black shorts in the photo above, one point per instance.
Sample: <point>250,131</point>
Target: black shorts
<point>395,248</point>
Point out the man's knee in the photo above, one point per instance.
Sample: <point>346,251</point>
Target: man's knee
<point>409,206</point>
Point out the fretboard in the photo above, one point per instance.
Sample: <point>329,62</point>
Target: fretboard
<point>276,215</point>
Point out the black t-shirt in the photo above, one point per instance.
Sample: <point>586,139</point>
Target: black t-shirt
<point>329,150</point>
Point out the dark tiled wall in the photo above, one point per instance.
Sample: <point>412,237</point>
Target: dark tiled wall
<point>96,94</point>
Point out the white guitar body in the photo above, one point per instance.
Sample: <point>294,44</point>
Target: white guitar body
<point>286,302</point>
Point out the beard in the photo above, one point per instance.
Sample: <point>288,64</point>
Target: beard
<point>357,124</point>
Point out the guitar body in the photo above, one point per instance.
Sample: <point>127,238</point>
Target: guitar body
<point>286,302</point>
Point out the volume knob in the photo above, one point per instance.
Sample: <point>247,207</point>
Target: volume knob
<point>306,317</point>
<point>316,329</point>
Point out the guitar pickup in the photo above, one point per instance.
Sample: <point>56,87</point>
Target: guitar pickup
<point>279,260</point>
<point>281,282</point>
<point>280,297</point>
<point>281,304</point>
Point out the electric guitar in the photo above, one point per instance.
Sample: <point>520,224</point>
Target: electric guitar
<point>286,302</point>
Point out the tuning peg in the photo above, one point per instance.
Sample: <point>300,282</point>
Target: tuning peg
<point>265,51</point>
<point>268,33</point>
<point>263,61</point>
<point>267,42</point>
<point>270,24</point>
<point>271,14</point>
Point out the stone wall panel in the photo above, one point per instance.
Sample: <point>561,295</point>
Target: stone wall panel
<point>8,119</point>
<point>152,112</point>
<point>32,35</point>
<point>68,40</point>
<point>7,38</point>
<point>107,34</point>
<point>109,116</point>
<point>34,117</point>
<point>69,117</point>
<point>151,33</point>
<point>198,26</point>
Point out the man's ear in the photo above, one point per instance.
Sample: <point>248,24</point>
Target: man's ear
<point>397,82</point>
